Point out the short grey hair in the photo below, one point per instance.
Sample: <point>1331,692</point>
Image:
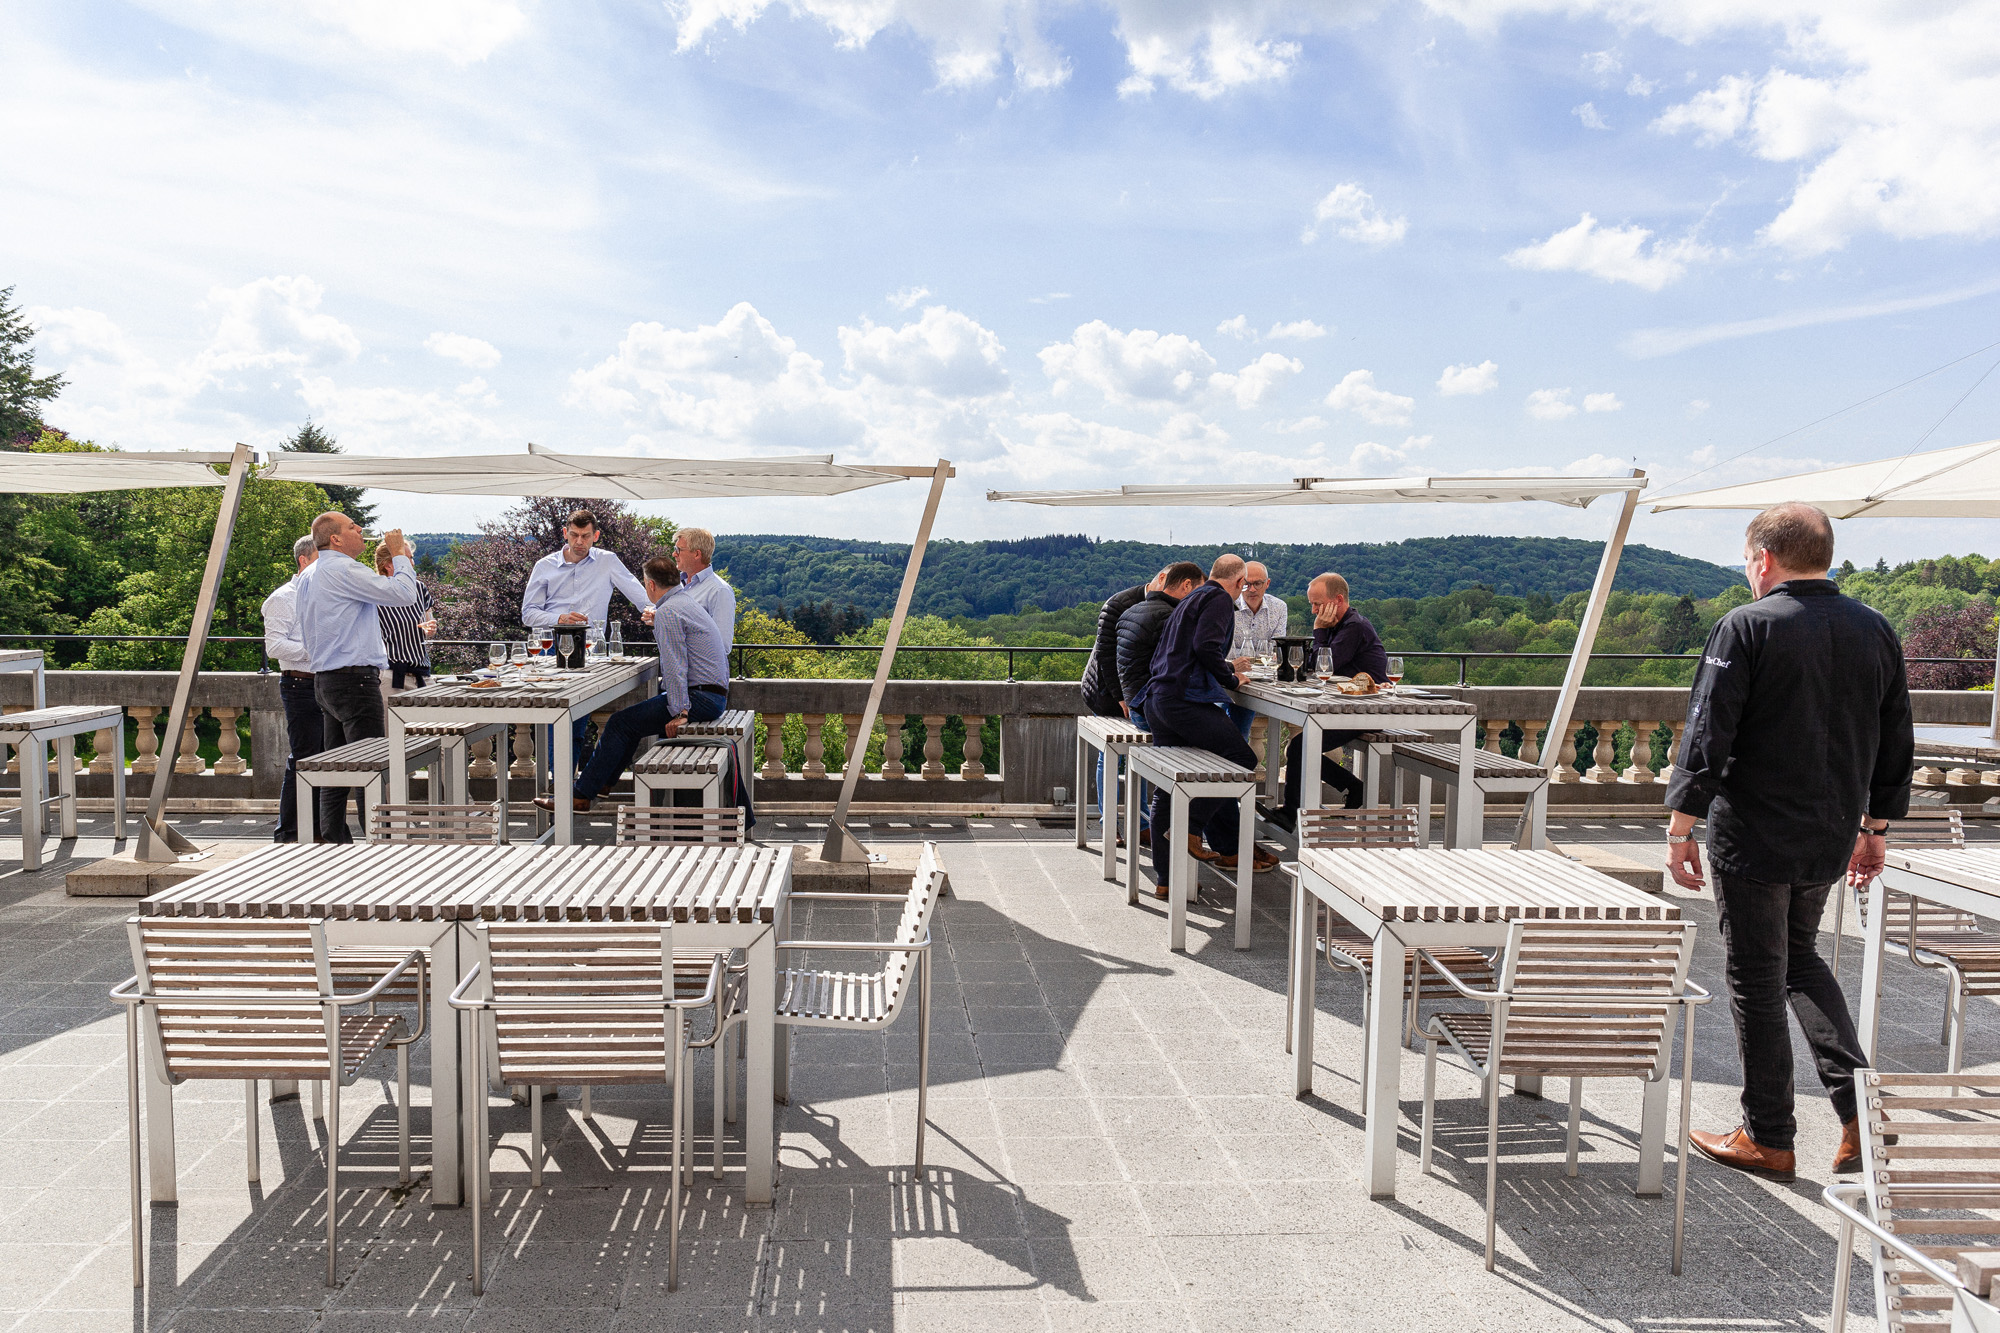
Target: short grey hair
<point>699,540</point>
<point>304,547</point>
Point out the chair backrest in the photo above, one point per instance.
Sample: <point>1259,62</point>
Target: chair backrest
<point>225,966</point>
<point>437,823</point>
<point>1332,826</point>
<point>680,824</point>
<point>1553,1028</point>
<point>1930,829</point>
<point>918,910</point>
<point>1937,1184</point>
<point>570,960</point>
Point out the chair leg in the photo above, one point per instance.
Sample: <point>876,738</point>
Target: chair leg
<point>923,1053</point>
<point>403,1114</point>
<point>1575,1120</point>
<point>1411,1013</point>
<point>1367,1032</point>
<point>1843,1272</point>
<point>480,1149</point>
<point>132,1143</point>
<point>674,1175</point>
<point>332,1157</point>
<point>318,1109</point>
<point>250,1131</point>
<point>716,1122</point>
<point>1681,1181</point>
<point>1954,1019</point>
<point>586,1101</point>
<point>1430,1102</point>
<point>734,1044</point>
<point>535,1136</point>
<point>1492,1146</point>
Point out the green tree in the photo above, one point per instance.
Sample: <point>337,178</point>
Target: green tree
<point>22,391</point>
<point>347,499</point>
<point>1682,630</point>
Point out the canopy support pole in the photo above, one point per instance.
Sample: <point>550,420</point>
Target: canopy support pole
<point>841,844</point>
<point>1996,694</point>
<point>1579,660</point>
<point>158,840</point>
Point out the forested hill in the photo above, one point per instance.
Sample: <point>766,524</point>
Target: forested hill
<point>1006,577</point>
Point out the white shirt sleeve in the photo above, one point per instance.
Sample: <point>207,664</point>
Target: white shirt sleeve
<point>536,612</point>
<point>282,640</point>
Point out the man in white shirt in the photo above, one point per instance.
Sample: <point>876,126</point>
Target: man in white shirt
<point>338,620</point>
<point>1259,616</point>
<point>572,586</point>
<point>694,554</point>
<point>295,686</point>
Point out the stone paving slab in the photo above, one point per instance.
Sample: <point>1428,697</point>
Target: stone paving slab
<point>1112,1145</point>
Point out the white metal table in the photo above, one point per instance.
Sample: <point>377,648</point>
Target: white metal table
<point>1316,713</point>
<point>556,702</point>
<point>27,659</point>
<point>407,895</point>
<point>1418,897</point>
<point>1966,878</point>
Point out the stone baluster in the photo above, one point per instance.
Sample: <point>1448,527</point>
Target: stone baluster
<point>1962,777</point>
<point>972,770</point>
<point>105,745</point>
<point>229,742</point>
<point>1607,741</point>
<point>1929,777</point>
<point>933,769</point>
<point>1260,731</point>
<point>147,740</point>
<point>481,765</point>
<point>1492,730</point>
<point>850,726</point>
<point>892,747</point>
<point>1990,778</point>
<point>189,758</point>
<point>524,751</point>
<point>1663,744</point>
<point>815,765</point>
<point>774,748</point>
<point>1566,756</point>
<point>1531,744</point>
<point>1641,768</point>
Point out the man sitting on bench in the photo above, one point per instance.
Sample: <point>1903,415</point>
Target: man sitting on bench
<point>694,686</point>
<point>1356,648</point>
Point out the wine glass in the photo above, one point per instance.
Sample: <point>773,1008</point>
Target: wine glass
<point>1323,667</point>
<point>1297,658</point>
<point>1395,671</point>
<point>594,637</point>
<point>496,655</point>
<point>518,655</point>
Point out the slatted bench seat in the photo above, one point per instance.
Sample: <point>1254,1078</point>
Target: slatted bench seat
<point>1373,752</point>
<point>363,764</point>
<point>1189,774</point>
<point>455,740</point>
<point>1111,738</point>
<point>1491,774</point>
<point>701,767</point>
<point>738,726</point>
<point>27,733</point>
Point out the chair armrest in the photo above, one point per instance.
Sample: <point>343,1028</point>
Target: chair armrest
<point>126,992</point>
<point>1483,996</point>
<point>1838,1198</point>
<point>849,897</point>
<point>858,946</point>
<point>562,1004</point>
<point>375,991</point>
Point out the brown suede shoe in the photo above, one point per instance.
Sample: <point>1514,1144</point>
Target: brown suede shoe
<point>1848,1158</point>
<point>1737,1149</point>
<point>1199,852</point>
<point>1260,861</point>
<point>580,804</point>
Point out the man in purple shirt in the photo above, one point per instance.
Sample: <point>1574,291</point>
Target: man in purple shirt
<point>1356,648</point>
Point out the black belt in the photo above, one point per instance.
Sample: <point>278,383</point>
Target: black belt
<point>298,675</point>
<point>350,671</point>
<point>710,689</point>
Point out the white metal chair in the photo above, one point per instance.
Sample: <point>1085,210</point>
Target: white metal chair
<point>569,1002</point>
<point>1919,828</point>
<point>682,824</point>
<point>870,1001</point>
<point>1928,1193</point>
<point>253,999</point>
<point>1586,999</point>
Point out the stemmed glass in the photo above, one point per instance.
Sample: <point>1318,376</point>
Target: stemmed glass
<point>1395,671</point>
<point>496,655</point>
<point>519,655</point>
<point>1297,658</point>
<point>1323,667</point>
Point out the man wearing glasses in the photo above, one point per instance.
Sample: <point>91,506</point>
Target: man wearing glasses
<point>1259,617</point>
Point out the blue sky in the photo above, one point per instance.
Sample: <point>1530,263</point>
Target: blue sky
<point>1062,243</point>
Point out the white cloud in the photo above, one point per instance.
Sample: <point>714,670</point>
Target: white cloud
<point>1662,341</point>
<point>1696,406</point>
<point>1302,330</point>
<point>1602,402</point>
<point>1591,117</point>
<point>1048,299</point>
<point>1354,217</point>
<point>1136,366</point>
<point>1468,379</point>
<point>1254,381</point>
<point>946,352</point>
<point>1602,64</point>
<point>1640,86</point>
<point>1238,327</point>
<point>1550,405</point>
<point>1714,116</point>
<point>460,31</point>
<point>1357,393</point>
<point>475,353</point>
<point>1615,254</point>
<point>907,297</point>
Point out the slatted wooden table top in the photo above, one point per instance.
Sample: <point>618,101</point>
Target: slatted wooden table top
<point>1401,705</point>
<point>1434,884</point>
<point>404,882</point>
<point>558,691</point>
<point>1973,867</point>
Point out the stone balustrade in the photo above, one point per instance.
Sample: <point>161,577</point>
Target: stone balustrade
<point>1008,742</point>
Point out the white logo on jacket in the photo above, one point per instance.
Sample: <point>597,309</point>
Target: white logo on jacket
<point>1722,662</point>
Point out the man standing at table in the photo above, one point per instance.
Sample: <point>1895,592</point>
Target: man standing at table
<point>303,728</point>
<point>1259,617</point>
<point>572,586</point>
<point>1357,649</point>
<point>343,638</point>
<point>1798,752</point>
<point>694,687</point>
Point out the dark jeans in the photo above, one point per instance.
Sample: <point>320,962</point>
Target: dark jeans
<point>350,704</point>
<point>1333,773</point>
<point>1770,934</point>
<point>1205,727</point>
<point>575,744</point>
<point>629,727</point>
<point>304,730</point>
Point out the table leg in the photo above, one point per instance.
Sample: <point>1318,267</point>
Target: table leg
<point>447,1072</point>
<point>1246,855</point>
<point>564,784</point>
<point>1312,744</point>
<point>762,1070</point>
<point>1107,812</point>
<point>66,784</point>
<point>1385,1065</point>
<point>159,1120</point>
<point>33,755</point>
<point>1274,758</point>
<point>1180,878</point>
<point>118,783</point>
<point>399,773</point>
<point>1132,839</point>
<point>1082,792</point>
<point>1304,985</point>
<point>1653,1132</point>
<point>1873,935</point>
<point>1471,820</point>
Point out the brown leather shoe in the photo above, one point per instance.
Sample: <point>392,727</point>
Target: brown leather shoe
<point>581,805</point>
<point>1737,1149</point>
<point>1260,860</point>
<point>1848,1158</point>
<point>1145,837</point>
<point>1199,852</point>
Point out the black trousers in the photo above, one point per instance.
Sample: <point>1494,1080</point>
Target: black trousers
<point>1770,934</point>
<point>1205,727</point>
<point>304,729</point>
<point>350,703</point>
<point>1331,771</point>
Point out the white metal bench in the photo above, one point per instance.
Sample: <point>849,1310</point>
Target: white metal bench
<point>679,824</point>
<point>27,733</point>
<point>438,823</point>
<point>669,768</point>
<point>738,726</point>
<point>1372,752</point>
<point>1492,774</point>
<point>363,764</point>
<point>1189,774</point>
<point>455,740</point>
<point>1111,737</point>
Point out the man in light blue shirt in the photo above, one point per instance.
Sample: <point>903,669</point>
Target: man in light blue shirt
<point>342,633</point>
<point>694,553</point>
<point>572,586</point>
<point>694,687</point>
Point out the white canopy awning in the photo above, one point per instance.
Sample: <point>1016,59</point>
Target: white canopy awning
<point>1577,492</point>
<point>74,474</point>
<point>1963,482</point>
<point>587,476</point>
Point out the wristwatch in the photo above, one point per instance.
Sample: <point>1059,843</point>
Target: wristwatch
<point>1681,837</point>
<point>1875,832</point>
